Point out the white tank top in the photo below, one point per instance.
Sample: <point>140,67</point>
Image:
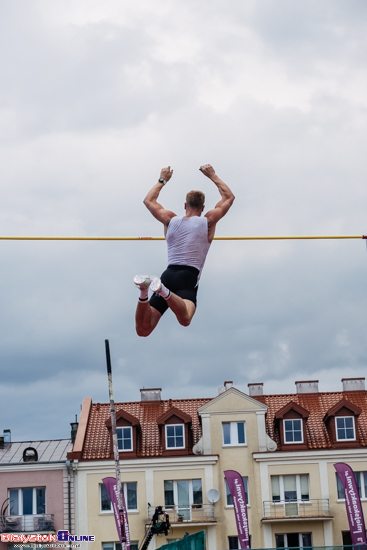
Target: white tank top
<point>187,241</point>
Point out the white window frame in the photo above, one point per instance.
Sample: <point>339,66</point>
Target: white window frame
<point>234,434</point>
<point>363,488</point>
<point>300,540</point>
<point>336,428</point>
<point>34,500</point>
<point>124,486</point>
<point>298,489</point>
<point>191,492</point>
<point>183,436</point>
<point>122,439</point>
<point>293,442</point>
<point>245,482</point>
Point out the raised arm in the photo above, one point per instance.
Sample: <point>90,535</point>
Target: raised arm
<point>150,201</point>
<point>225,203</point>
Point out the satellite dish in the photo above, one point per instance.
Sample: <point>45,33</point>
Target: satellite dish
<point>213,495</point>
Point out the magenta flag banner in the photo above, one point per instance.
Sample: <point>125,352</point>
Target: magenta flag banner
<point>237,489</point>
<point>352,503</point>
<point>122,524</point>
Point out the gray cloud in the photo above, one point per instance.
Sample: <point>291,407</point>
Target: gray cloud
<point>94,100</point>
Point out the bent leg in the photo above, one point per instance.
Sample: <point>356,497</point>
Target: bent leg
<point>183,309</point>
<point>146,319</point>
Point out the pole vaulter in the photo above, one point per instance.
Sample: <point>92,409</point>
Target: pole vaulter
<point>188,241</point>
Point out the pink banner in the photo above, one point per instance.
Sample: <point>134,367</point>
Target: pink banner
<point>122,524</point>
<point>237,489</point>
<point>352,503</point>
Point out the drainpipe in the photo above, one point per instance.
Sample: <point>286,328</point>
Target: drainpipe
<point>67,462</point>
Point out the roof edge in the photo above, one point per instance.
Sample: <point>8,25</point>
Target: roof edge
<point>82,429</point>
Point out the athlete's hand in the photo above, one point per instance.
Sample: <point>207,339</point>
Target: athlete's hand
<point>207,170</point>
<point>166,173</point>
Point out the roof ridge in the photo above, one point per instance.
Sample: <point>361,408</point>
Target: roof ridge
<point>160,401</point>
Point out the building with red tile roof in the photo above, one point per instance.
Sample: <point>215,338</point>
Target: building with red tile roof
<point>172,452</point>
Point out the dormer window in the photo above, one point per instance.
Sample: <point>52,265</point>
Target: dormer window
<point>293,430</point>
<point>127,428</point>
<point>30,455</point>
<point>175,436</point>
<point>292,419</point>
<point>175,432</point>
<point>341,422</point>
<point>345,429</point>
<point>124,438</point>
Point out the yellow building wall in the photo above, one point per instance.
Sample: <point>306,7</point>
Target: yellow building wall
<point>102,524</point>
<point>238,458</point>
<point>338,509</point>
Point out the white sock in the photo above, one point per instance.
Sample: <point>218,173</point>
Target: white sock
<point>143,294</point>
<point>164,292</point>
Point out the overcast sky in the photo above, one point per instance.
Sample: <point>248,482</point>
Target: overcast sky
<point>95,97</point>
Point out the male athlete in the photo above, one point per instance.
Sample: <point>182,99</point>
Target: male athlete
<point>188,240</point>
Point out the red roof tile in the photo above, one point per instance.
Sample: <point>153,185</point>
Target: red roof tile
<point>97,442</point>
<point>318,404</point>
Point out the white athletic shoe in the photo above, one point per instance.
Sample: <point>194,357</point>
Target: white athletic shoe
<point>143,281</point>
<point>156,285</point>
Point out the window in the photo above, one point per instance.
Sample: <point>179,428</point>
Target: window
<point>233,543</point>
<point>286,488</point>
<point>181,495</point>
<point>229,500</point>
<point>293,540</point>
<point>175,436</point>
<point>293,431</point>
<point>27,501</point>
<point>344,428</point>
<point>361,480</point>
<point>347,539</point>
<point>30,455</point>
<point>124,438</point>
<point>134,545</point>
<point>234,433</point>
<point>130,494</point>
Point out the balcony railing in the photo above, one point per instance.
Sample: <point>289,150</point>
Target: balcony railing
<point>284,509</point>
<point>195,513</point>
<point>28,523</point>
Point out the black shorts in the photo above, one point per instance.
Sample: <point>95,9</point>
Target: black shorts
<point>180,279</point>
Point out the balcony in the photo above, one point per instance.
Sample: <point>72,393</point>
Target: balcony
<point>193,513</point>
<point>26,524</point>
<point>313,509</point>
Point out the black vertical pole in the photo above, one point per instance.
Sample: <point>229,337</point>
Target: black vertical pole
<point>114,431</point>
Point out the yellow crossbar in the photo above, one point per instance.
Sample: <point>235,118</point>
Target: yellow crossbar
<point>245,238</point>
